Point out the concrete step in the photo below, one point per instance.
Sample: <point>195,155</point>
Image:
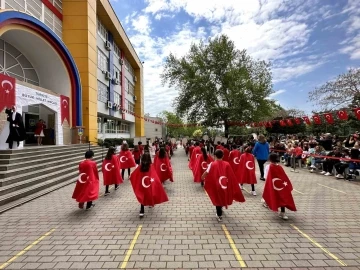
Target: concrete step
<point>44,159</point>
<point>13,158</point>
<point>40,148</point>
<point>21,174</point>
<point>8,187</point>
<point>22,196</point>
<point>44,151</point>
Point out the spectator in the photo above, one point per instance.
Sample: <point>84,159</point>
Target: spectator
<point>328,164</point>
<point>342,165</point>
<point>317,160</point>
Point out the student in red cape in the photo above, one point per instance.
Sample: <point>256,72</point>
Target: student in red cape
<point>234,157</point>
<point>201,165</point>
<point>163,166</point>
<point>278,188</point>
<point>147,185</point>
<point>226,153</point>
<point>190,150</point>
<point>87,185</point>
<point>245,172</point>
<point>194,155</point>
<point>126,159</point>
<point>221,184</point>
<point>111,170</point>
<point>141,148</point>
<point>136,154</point>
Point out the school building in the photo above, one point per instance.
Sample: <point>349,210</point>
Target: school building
<point>74,67</point>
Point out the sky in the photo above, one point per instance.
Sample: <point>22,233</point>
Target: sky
<point>308,42</point>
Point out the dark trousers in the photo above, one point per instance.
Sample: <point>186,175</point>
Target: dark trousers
<point>107,188</point>
<point>137,161</point>
<point>219,211</point>
<point>11,144</point>
<point>142,209</point>
<point>123,172</point>
<point>328,166</point>
<point>340,167</point>
<point>261,167</point>
<point>282,209</point>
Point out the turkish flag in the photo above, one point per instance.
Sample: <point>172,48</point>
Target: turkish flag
<point>87,185</point>
<point>126,160</point>
<point>163,168</point>
<point>342,115</point>
<point>289,122</point>
<point>297,121</point>
<point>245,172</point>
<point>221,185</point>
<point>329,118</point>
<point>269,124</point>
<point>317,119</point>
<point>65,108</point>
<point>111,171</point>
<point>307,120</point>
<point>278,188</point>
<point>234,159</point>
<point>195,153</point>
<point>7,91</point>
<point>357,113</point>
<point>200,167</point>
<point>147,187</point>
<point>282,123</point>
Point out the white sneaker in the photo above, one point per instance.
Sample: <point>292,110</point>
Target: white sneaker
<point>340,176</point>
<point>323,172</point>
<point>327,174</point>
<point>219,218</point>
<point>292,170</point>
<point>141,214</point>
<point>312,170</point>
<point>283,216</point>
<point>253,193</point>
<point>313,167</point>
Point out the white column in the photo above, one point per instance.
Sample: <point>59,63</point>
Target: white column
<point>2,4</point>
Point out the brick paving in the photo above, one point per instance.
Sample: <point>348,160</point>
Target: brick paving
<point>184,233</point>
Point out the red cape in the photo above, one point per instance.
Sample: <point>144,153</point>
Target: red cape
<point>234,159</point>
<point>111,171</point>
<point>221,185</point>
<point>226,154</point>
<point>87,185</point>
<point>194,156</point>
<point>277,190</point>
<point>245,172</point>
<point>163,168</point>
<point>200,167</point>
<point>147,187</point>
<point>126,160</point>
<point>191,148</point>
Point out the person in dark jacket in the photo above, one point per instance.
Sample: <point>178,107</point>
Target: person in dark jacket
<point>17,130</point>
<point>261,152</point>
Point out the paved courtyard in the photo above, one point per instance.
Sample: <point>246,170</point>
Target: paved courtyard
<point>52,233</point>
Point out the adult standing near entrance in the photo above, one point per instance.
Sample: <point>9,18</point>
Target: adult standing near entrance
<point>17,129</point>
<point>39,131</point>
<point>261,152</point>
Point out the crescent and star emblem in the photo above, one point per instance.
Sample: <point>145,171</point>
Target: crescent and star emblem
<point>202,165</point>
<point>248,166</point>
<point>236,161</point>
<point>196,156</point>
<point>80,176</point>
<point>278,179</point>
<point>161,167</point>
<point>121,159</point>
<point>143,181</point>
<point>357,111</point>
<point>220,182</point>
<point>106,167</point>
<point>65,102</point>
<point>328,116</point>
<point>4,82</point>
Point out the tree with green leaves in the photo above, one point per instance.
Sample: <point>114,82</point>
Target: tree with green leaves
<point>343,91</point>
<point>171,118</point>
<point>282,114</point>
<point>218,83</point>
